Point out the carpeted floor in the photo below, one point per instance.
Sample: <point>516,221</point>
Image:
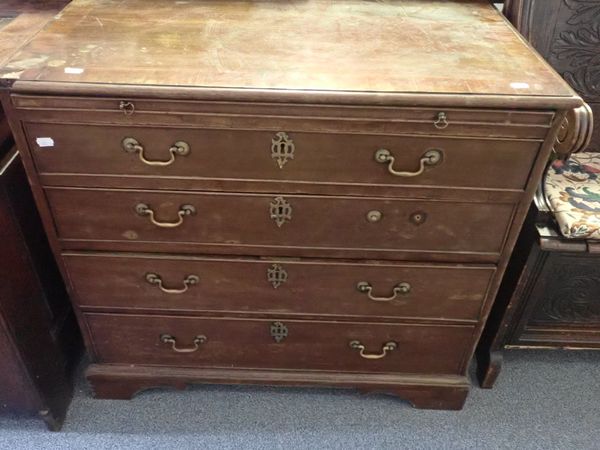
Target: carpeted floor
<point>545,400</point>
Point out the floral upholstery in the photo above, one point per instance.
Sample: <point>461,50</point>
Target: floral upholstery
<point>572,190</point>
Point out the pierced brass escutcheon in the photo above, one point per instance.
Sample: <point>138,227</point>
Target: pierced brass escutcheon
<point>400,289</point>
<point>278,331</point>
<point>281,211</point>
<point>430,158</point>
<point>276,275</point>
<point>442,121</point>
<point>188,281</point>
<point>282,149</point>
<point>132,145</point>
<point>387,347</point>
<point>185,210</point>
<point>169,339</point>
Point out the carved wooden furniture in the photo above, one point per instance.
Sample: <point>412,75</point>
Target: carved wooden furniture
<point>567,34</point>
<point>549,297</point>
<point>39,338</point>
<point>261,192</point>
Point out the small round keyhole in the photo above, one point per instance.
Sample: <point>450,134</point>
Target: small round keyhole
<point>418,218</point>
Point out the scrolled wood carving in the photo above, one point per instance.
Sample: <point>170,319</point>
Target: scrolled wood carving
<point>581,47</point>
<point>575,132</point>
<point>574,295</point>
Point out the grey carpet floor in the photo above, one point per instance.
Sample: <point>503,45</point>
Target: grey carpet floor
<point>543,400</point>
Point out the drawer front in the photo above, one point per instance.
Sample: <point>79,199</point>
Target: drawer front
<point>231,220</point>
<point>244,343</point>
<point>278,286</point>
<point>201,154</point>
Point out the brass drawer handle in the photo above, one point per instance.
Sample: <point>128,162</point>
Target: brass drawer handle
<point>128,108</point>
<point>188,281</point>
<point>399,289</point>
<point>144,210</point>
<point>168,339</point>
<point>442,121</point>
<point>430,158</point>
<point>179,148</point>
<point>387,347</point>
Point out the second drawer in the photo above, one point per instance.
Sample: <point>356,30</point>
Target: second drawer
<point>256,224</point>
<point>235,285</point>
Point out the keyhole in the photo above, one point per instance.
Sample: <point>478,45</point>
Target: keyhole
<point>418,218</point>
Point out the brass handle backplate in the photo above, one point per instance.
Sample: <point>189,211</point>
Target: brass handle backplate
<point>430,158</point>
<point>169,339</point>
<point>179,148</point>
<point>387,347</point>
<point>185,210</point>
<point>400,289</point>
<point>156,280</point>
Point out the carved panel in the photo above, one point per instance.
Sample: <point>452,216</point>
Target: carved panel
<point>567,34</point>
<point>572,292</point>
<point>575,50</point>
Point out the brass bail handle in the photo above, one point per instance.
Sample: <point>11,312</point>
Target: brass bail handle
<point>385,349</point>
<point>132,145</point>
<point>185,210</point>
<point>430,158</point>
<point>155,280</point>
<point>172,341</point>
<point>400,289</point>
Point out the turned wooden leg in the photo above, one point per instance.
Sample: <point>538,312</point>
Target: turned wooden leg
<point>489,364</point>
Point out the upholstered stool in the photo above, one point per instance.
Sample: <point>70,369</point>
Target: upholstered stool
<point>572,194</point>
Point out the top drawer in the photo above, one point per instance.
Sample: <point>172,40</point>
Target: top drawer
<point>63,152</point>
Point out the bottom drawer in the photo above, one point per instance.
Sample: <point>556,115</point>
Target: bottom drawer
<point>290,344</point>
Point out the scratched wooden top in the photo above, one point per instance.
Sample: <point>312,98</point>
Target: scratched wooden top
<point>20,20</point>
<point>407,46</point>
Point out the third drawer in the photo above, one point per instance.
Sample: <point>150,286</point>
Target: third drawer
<point>276,286</point>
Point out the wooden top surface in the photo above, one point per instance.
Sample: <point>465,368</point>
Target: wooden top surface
<point>396,46</point>
<point>20,20</point>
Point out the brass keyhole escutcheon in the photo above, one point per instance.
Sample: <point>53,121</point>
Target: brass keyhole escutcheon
<point>282,149</point>
<point>276,275</point>
<point>279,331</point>
<point>418,217</point>
<point>280,211</point>
<point>374,216</point>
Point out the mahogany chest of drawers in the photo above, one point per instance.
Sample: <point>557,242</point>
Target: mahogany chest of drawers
<point>317,193</point>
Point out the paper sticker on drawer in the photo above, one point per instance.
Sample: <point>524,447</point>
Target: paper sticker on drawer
<point>74,70</point>
<point>44,142</point>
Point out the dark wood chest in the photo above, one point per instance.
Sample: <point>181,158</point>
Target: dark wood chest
<point>256,193</point>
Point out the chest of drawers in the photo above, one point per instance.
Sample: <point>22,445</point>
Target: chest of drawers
<point>306,194</point>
